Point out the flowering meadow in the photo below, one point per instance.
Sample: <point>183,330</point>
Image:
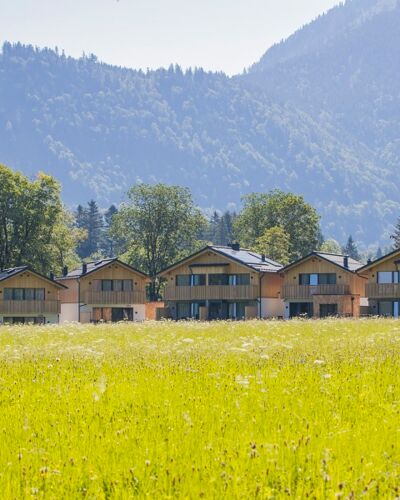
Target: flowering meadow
<point>194,410</point>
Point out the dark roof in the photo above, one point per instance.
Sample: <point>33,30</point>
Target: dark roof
<point>245,257</point>
<point>14,271</point>
<point>95,266</point>
<point>381,259</point>
<point>336,259</point>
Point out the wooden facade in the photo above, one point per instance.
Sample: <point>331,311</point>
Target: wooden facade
<point>342,297</point>
<point>383,285</point>
<point>239,300</point>
<point>86,300</point>
<point>12,309</point>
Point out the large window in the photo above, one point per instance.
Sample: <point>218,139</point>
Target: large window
<point>389,308</point>
<point>116,285</point>
<point>317,279</point>
<point>229,279</point>
<point>388,277</point>
<point>24,294</point>
<point>190,280</point>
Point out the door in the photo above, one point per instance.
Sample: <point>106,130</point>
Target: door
<point>297,309</point>
<point>121,314</point>
<point>327,310</point>
<point>215,310</point>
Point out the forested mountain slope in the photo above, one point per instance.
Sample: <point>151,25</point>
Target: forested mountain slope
<point>318,115</point>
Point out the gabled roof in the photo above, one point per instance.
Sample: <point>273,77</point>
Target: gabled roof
<point>333,258</point>
<point>94,266</point>
<point>381,259</point>
<point>14,271</point>
<point>247,258</point>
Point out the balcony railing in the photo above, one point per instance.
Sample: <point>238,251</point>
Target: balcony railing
<point>307,291</point>
<point>384,291</point>
<point>214,292</point>
<point>114,298</point>
<point>29,307</point>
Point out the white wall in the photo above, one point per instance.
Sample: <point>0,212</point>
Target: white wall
<point>272,308</point>
<point>69,312</point>
<point>139,312</point>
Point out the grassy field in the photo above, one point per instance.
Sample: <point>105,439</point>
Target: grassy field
<point>225,410</point>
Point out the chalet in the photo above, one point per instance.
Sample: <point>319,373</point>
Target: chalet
<point>105,290</point>
<point>28,297</point>
<point>323,284</point>
<point>383,285</point>
<point>223,282</point>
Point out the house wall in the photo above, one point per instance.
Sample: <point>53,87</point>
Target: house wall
<point>387,265</point>
<point>271,285</point>
<point>272,308</point>
<point>315,265</point>
<point>30,280</point>
<point>114,271</point>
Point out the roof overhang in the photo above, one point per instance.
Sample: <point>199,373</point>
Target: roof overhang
<point>39,275</point>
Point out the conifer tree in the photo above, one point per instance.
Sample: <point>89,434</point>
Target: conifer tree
<point>351,249</point>
<point>396,235</point>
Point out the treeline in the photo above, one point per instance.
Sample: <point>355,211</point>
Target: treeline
<point>156,226</point>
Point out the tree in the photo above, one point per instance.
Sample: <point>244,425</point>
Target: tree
<point>351,250</point>
<point>91,220</point>
<point>379,253</point>
<point>331,246</point>
<point>298,219</point>
<point>31,213</point>
<point>110,243</point>
<point>160,224</point>
<point>66,237</point>
<point>275,244</point>
<point>396,235</point>
<point>219,230</point>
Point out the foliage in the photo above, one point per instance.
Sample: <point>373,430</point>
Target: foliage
<point>331,246</point>
<point>223,410</point>
<point>31,222</point>
<point>219,230</point>
<point>275,244</point>
<point>292,123</point>
<point>351,250</point>
<point>262,211</point>
<point>160,225</point>
<point>396,235</point>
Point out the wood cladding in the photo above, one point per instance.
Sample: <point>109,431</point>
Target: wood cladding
<point>217,292</point>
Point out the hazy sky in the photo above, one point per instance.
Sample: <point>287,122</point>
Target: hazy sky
<point>223,35</point>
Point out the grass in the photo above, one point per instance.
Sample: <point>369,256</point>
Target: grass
<point>223,410</point>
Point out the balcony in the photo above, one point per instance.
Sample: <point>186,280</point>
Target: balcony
<point>308,291</point>
<point>216,292</point>
<point>29,307</point>
<point>383,291</point>
<point>114,298</point>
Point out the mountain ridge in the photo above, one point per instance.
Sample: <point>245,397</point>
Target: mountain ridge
<point>100,128</point>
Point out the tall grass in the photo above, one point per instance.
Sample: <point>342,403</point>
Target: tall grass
<point>222,410</point>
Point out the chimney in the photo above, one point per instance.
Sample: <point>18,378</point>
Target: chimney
<point>369,261</point>
<point>346,261</point>
<point>263,257</point>
<point>51,276</point>
<point>84,268</point>
<point>235,246</point>
<point>65,271</point>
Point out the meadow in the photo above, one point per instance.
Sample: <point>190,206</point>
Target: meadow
<point>224,410</point>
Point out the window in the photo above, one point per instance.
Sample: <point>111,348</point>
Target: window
<point>195,309</point>
<point>317,279</point>
<point>327,279</point>
<point>182,310</point>
<point>388,277</point>
<point>386,309</point>
<point>243,279</point>
<point>24,294</point>
<point>106,285</point>
<point>198,279</point>
<point>182,280</point>
<point>114,285</point>
<point>218,279</point>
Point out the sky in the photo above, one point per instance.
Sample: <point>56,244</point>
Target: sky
<point>218,35</point>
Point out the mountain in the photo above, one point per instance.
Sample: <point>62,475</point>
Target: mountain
<point>317,115</point>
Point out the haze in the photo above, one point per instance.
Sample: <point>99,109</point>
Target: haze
<point>226,35</point>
